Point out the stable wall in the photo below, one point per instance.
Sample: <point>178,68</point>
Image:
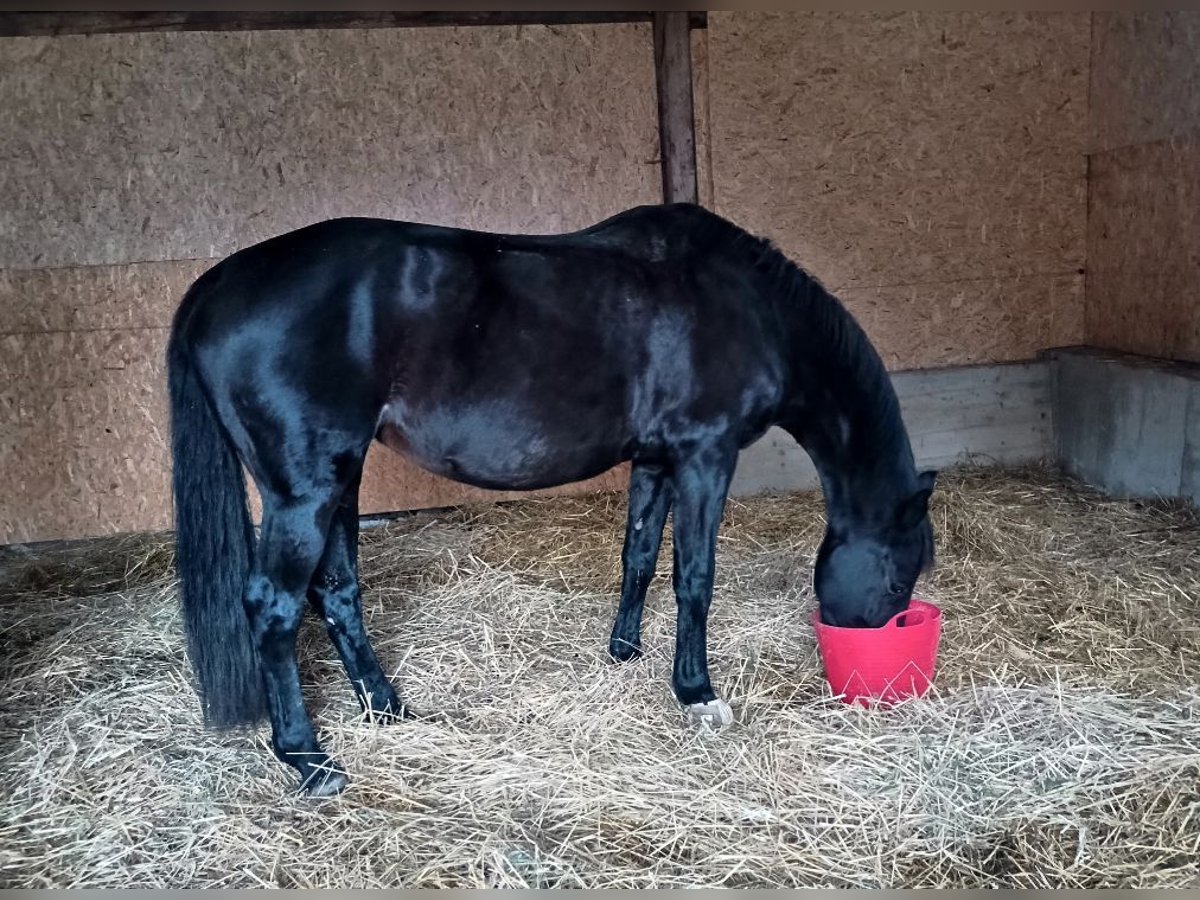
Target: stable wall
<point>132,162</point>
<point>930,168</point>
<point>1143,288</point>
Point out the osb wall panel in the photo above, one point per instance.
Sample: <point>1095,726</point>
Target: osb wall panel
<point>128,148</point>
<point>1143,288</point>
<point>143,295</point>
<point>944,153</point>
<point>1143,292</point>
<point>969,322</point>
<point>1145,78</point>
<point>128,155</point>
<point>82,434</point>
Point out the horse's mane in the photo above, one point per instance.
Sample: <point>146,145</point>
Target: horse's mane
<point>830,336</point>
<point>845,361</point>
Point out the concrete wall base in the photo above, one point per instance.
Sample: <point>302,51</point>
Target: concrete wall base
<point>1129,425</point>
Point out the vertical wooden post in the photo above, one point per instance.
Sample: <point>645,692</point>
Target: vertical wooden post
<point>676,120</point>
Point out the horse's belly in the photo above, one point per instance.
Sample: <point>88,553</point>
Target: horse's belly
<point>492,446</point>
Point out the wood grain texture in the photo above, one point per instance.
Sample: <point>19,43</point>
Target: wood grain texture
<point>703,117</point>
<point>133,159</point>
<point>1145,78</point>
<point>970,322</point>
<point>676,117</point>
<point>884,150</point>
<point>48,24</point>
<point>391,484</point>
<point>141,295</point>
<point>82,434</point>
<point>131,148</point>
<point>1143,293</point>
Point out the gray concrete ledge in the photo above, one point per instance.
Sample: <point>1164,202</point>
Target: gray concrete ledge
<point>1129,425</point>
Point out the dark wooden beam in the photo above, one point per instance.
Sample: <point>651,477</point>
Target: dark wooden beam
<point>17,24</point>
<point>676,119</point>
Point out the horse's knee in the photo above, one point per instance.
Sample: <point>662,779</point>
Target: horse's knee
<point>639,564</point>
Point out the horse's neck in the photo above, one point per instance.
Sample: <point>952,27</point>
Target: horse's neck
<point>864,474</point>
<point>846,416</point>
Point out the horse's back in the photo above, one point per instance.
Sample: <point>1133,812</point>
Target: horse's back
<point>324,259</point>
<point>500,360</point>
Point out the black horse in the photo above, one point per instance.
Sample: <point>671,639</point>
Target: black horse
<point>665,336</point>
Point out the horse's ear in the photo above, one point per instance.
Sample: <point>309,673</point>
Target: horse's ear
<point>916,507</point>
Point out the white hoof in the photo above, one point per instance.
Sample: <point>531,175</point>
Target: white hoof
<point>715,713</point>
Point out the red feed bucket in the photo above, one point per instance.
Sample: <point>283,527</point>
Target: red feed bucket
<point>886,664</point>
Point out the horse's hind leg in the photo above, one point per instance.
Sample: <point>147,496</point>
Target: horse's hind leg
<point>293,537</point>
<point>649,503</point>
<point>335,594</point>
<point>701,482</point>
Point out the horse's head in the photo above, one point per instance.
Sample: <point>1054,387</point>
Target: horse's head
<point>865,574</point>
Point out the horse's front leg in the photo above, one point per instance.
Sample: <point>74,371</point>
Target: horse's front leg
<point>701,482</point>
<point>649,503</point>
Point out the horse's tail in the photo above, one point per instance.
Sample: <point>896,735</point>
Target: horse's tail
<point>214,547</point>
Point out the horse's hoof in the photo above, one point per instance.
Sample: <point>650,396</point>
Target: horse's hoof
<point>324,783</point>
<point>624,651</point>
<point>715,713</point>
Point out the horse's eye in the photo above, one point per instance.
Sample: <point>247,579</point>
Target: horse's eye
<point>895,589</point>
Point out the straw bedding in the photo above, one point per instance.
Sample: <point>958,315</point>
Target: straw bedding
<point>1061,747</point>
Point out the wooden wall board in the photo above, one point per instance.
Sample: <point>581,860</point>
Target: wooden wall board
<point>1145,78</point>
<point>91,484</point>
<point>132,148</point>
<point>1143,286</point>
<point>133,160</point>
<point>676,107</point>
<point>45,24</point>
<point>700,96</point>
<point>84,442</point>
<point>970,322</point>
<point>391,484</point>
<point>82,434</point>
<point>881,150</point>
<point>140,295</point>
<point>1143,292</point>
